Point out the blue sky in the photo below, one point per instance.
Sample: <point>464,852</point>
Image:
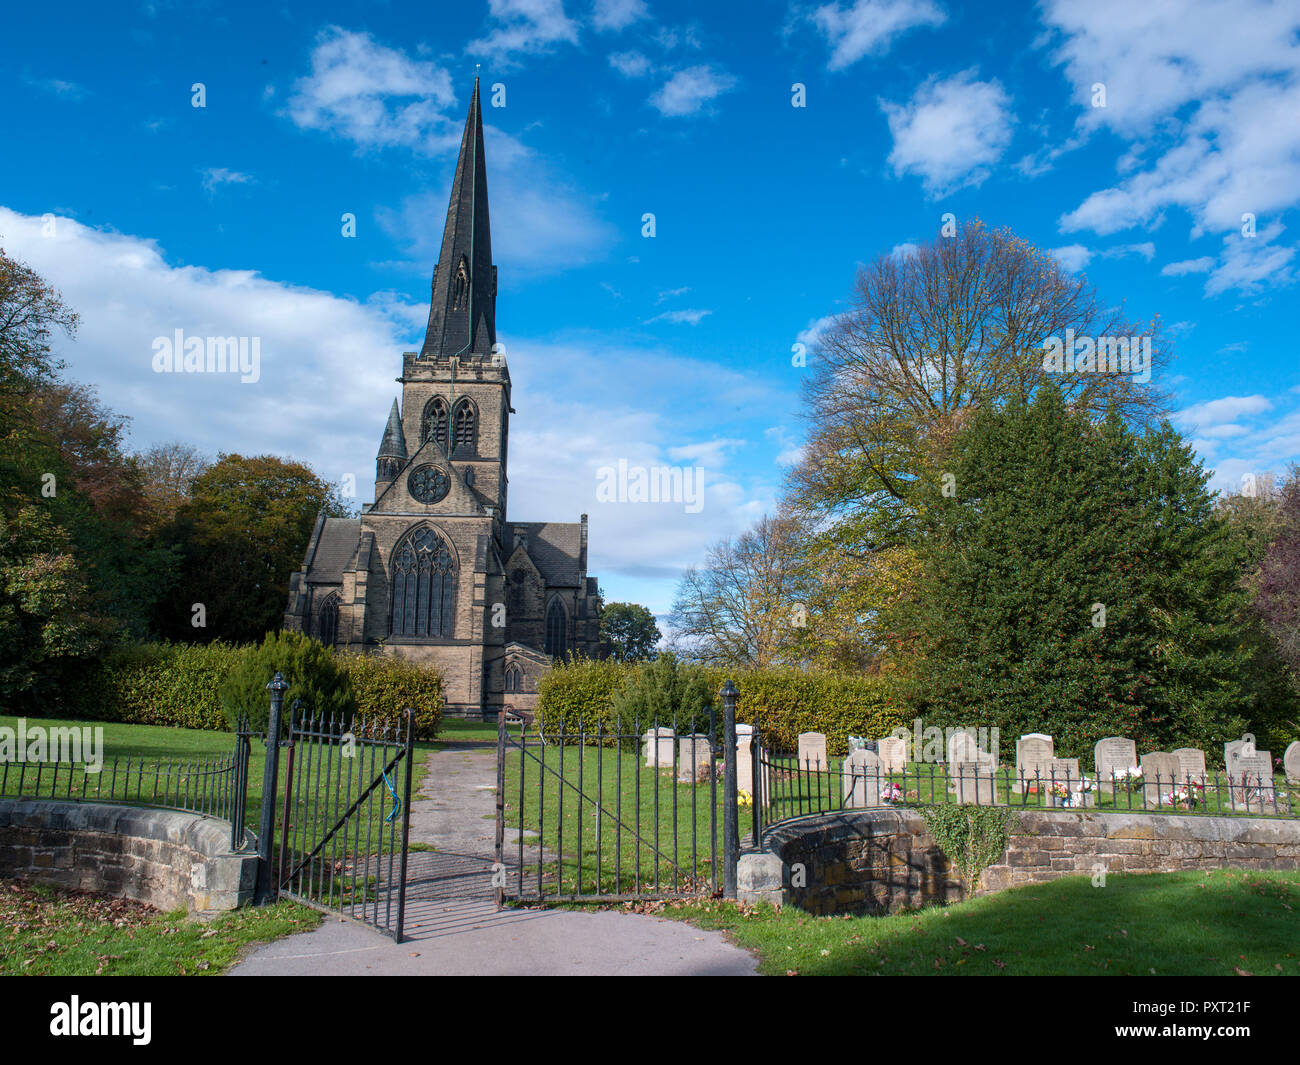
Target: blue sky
<point>671,350</point>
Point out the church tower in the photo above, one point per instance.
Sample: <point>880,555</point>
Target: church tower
<point>423,572</point>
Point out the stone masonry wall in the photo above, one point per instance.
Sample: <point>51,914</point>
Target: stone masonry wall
<point>162,857</point>
<point>884,860</point>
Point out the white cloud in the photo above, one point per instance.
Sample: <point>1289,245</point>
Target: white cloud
<point>68,89</point>
<point>615,15</point>
<point>690,89</point>
<point>631,64</point>
<point>870,26</point>
<point>811,334</point>
<point>524,27</point>
<point>374,96</point>
<point>1074,257</point>
<point>672,293</point>
<point>1202,265</point>
<point>215,177</point>
<point>902,251</point>
<point>1146,250</point>
<point>327,366</point>
<point>1204,417</point>
<point>1206,91</point>
<point>1249,263</point>
<point>950,131</point>
<point>687,317</point>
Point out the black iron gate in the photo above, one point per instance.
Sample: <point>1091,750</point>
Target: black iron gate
<point>616,816</point>
<point>344,824</point>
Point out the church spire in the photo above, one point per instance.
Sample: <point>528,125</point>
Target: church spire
<point>393,445</point>
<point>462,311</point>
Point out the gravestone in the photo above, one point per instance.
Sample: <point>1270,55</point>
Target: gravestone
<point>1252,782</point>
<point>1113,754</point>
<point>695,759</point>
<point>1064,771</point>
<point>812,750</point>
<point>1291,763</point>
<point>963,746</point>
<point>858,743</point>
<point>1191,765</point>
<point>1160,772</point>
<point>973,782</point>
<point>745,760</point>
<point>657,747</point>
<point>863,779</point>
<point>893,753</point>
<point>1034,754</point>
<point>1232,750</point>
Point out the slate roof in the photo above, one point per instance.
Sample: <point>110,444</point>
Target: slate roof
<point>336,548</point>
<point>555,548</point>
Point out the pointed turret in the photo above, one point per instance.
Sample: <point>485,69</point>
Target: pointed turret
<point>393,446</point>
<point>462,310</point>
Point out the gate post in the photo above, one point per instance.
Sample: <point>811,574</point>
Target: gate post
<point>266,891</point>
<point>730,808</point>
<point>409,759</point>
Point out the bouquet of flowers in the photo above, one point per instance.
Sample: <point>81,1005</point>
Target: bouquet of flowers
<point>891,793</point>
<point>744,798</point>
<point>1129,779</point>
<point>1185,798</point>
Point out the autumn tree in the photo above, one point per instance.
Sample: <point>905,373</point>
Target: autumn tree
<point>745,605</point>
<point>242,532</point>
<point>929,338</point>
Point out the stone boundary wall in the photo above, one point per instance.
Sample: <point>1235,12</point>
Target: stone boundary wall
<point>885,861</point>
<point>165,858</point>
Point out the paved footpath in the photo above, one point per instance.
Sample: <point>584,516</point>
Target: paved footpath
<point>454,927</point>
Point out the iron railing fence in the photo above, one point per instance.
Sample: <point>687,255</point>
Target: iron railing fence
<point>215,786</point>
<point>785,787</point>
<point>344,824</point>
<point>608,815</point>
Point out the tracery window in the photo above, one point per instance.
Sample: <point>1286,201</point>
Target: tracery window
<point>514,679</point>
<point>557,630</point>
<point>434,425</point>
<point>424,586</point>
<point>327,620</point>
<point>466,425</point>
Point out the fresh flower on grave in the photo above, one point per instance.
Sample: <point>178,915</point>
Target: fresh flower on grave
<point>1059,790</point>
<point>744,798</point>
<point>1182,797</point>
<point>891,793</point>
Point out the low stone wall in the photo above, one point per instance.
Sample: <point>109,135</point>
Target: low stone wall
<point>884,860</point>
<point>163,857</point>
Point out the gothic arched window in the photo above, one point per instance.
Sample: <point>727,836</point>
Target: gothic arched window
<point>557,630</point>
<point>424,586</point>
<point>434,425</point>
<point>514,679</point>
<point>327,620</point>
<point>465,425</point>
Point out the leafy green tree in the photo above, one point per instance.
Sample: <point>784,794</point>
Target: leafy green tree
<point>312,671</point>
<point>1080,582</point>
<point>630,631</point>
<point>665,693</point>
<point>242,531</point>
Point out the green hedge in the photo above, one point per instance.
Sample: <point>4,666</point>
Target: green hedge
<point>177,684</point>
<point>384,686</point>
<point>784,701</point>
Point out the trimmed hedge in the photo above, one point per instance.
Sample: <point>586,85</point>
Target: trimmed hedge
<point>384,686</point>
<point>783,701</point>
<point>177,684</point>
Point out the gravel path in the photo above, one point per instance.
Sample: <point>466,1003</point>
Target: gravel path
<point>452,922</point>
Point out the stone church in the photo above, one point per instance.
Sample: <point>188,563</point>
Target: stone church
<point>433,570</point>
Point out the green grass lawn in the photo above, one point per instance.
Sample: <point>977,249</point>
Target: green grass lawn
<point>47,932</point>
<point>613,823</point>
<point>1218,923</point>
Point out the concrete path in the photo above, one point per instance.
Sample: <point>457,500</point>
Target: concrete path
<point>452,922</point>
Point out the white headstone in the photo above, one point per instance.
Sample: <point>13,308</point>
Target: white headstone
<point>1252,782</point>
<point>812,750</point>
<point>973,782</point>
<point>863,779</point>
<point>1232,750</point>
<point>893,753</point>
<point>657,747</point>
<point>1191,765</point>
<point>1112,755</point>
<point>963,746</point>
<point>1034,754</point>
<point>1160,771</point>
<point>1291,763</point>
<point>695,759</point>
